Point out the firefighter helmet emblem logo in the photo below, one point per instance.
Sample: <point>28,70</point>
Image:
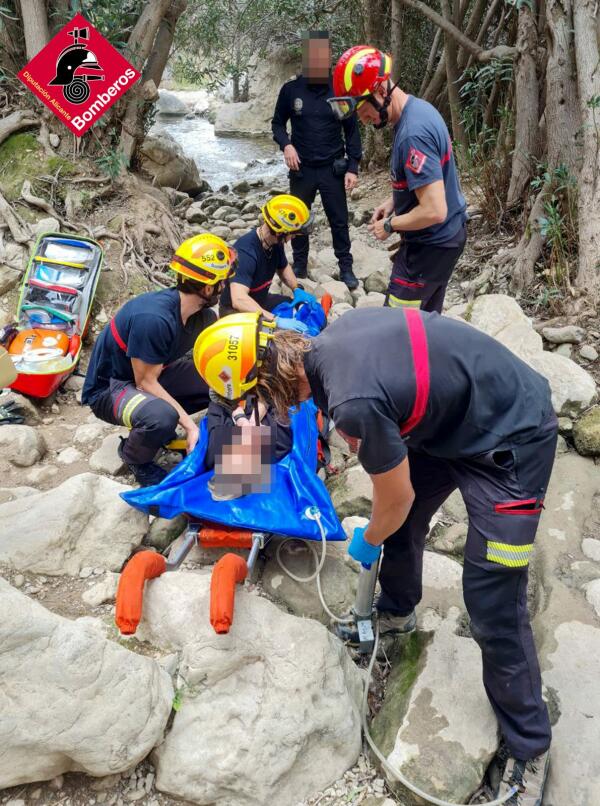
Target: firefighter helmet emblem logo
<point>298,104</point>
<point>76,66</point>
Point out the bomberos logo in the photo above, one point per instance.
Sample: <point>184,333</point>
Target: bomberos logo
<point>79,75</point>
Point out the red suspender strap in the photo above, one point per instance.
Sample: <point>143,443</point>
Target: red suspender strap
<point>420,354</point>
<point>117,338</point>
<point>260,287</point>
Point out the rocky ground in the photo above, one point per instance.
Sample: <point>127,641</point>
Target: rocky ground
<point>270,714</point>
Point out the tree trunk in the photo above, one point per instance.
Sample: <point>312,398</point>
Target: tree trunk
<point>35,26</point>
<point>137,51</point>
<point>396,37</point>
<point>58,15</point>
<point>585,18</point>
<point>157,61</point>
<point>431,61</point>
<point>17,120</point>
<point>530,246</point>
<point>526,104</point>
<point>458,130</point>
<point>375,14</point>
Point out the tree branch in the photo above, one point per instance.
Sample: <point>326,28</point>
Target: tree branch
<point>481,55</point>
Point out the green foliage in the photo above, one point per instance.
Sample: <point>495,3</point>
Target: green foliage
<point>112,163</point>
<point>113,18</point>
<point>559,224</point>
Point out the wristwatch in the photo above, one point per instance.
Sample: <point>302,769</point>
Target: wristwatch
<point>241,415</point>
<point>387,224</point>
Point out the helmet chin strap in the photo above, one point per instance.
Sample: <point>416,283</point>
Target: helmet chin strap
<point>383,108</point>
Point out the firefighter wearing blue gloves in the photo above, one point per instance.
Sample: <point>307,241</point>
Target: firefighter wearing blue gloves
<point>301,296</point>
<point>363,552</point>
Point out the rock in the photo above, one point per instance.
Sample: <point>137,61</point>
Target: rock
<point>454,508</point>
<point>29,410</point>
<point>163,532</point>
<point>9,278</point>
<point>352,492</point>
<point>22,445</point>
<point>245,119</point>
<point>103,591</point>
<point>592,594</point>
<point>18,581</point>
<point>356,194</point>
<point>573,389</point>
<point>377,281</point>
<point>240,187</point>
<point>221,232</point>
<point>590,547</point>
<point>176,197</point>
<point>586,432</point>
<point>102,319</point>
<point>372,300</point>
<point>71,699</point>
<point>338,290</point>
<point>569,334</point>
<point>74,383</point>
<point>90,432</point>
<point>14,493</point>
<point>163,159</point>
<point>574,775</point>
<point>170,104</point>
<point>441,732</point>
<point>54,140</point>
<point>45,225</point>
<point>588,352</point>
<point>69,456</point>
<point>339,577</point>
<point>339,309</point>
<point>367,259</point>
<point>85,523</point>
<point>260,721</point>
<point>106,459</point>
<point>41,474</point>
<point>195,214</point>
<point>561,445</point>
<point>452,540</point>
<point>565,426</point>
<point>565,350</point>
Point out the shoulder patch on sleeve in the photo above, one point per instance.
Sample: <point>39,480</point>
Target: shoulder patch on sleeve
<point>415,160</point>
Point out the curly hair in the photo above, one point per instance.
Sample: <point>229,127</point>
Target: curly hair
<point>277,381</point>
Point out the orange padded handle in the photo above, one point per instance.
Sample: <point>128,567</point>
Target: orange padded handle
<point>215,537</point>
<point>130,593</point>
<point>230,570</point>
<point>326,303</point>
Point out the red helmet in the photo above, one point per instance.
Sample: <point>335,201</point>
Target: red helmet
<point>359,73</point>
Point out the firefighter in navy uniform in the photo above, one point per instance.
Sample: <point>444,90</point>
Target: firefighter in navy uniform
<point>139,375</point>
<point>426,205</point>
<point>433,405</point>
<point>319,158</point>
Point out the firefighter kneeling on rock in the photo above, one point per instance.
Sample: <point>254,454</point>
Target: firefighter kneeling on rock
<point>138,375</point>
<point>432,405</point>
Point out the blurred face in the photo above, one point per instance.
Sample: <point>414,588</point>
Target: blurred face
<point>367,113</point>
<point>316,60</point>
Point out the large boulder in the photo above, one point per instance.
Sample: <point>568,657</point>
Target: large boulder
<point>500,316</point>
<point>70,699</point>
<point>169,104</point>
<point>22,445</point>
<point>269,712</point>
<point>164,161</point>
<point>436,724</point>
<point>80,523</point>
<point>352,492</point>
<point>245,119</point>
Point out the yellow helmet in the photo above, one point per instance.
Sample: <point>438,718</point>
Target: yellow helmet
<point>205,258</point>
<point>228,354</point>
<point>286,214</point>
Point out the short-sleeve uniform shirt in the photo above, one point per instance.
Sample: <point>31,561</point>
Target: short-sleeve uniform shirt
<point>361,370</point>
<point>256,267</point>
<point>422,154</point>
<point>152,330</point>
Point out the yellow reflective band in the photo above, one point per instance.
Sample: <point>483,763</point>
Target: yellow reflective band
<point>396,302</point>
<point>129,408</point>
<point>507,554</point>
<point>351,64</point>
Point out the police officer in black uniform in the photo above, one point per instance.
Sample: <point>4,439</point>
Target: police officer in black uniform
<point>318,157</point>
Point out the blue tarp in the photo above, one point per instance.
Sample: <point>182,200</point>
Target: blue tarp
<point>295,487</point>
<point>310,313</point>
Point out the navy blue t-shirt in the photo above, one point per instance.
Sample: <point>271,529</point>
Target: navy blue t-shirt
<point>361,371</point>
<point>422,154</point>
<point>256,267</point>
<point>152,330</point>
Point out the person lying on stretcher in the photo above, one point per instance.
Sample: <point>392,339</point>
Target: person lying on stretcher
<point>244,441</point>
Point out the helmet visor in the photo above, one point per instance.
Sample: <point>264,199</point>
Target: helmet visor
<point>308,227</point>
<point>344,106</point>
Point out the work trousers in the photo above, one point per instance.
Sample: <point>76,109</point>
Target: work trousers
<point>420,275</point>
<point>305,183</point>
<point>152,421</point>
<point>503,491</point>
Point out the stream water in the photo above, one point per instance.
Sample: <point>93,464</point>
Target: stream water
<point>223,160</point>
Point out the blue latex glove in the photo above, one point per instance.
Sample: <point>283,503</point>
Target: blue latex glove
<point>362,551</point>
<point>300,296</point>
<point>284,323</point>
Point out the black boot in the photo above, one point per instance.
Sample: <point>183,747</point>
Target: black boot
<point>301,272</point>
<point>147,474</point>
<point>347,276</point>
